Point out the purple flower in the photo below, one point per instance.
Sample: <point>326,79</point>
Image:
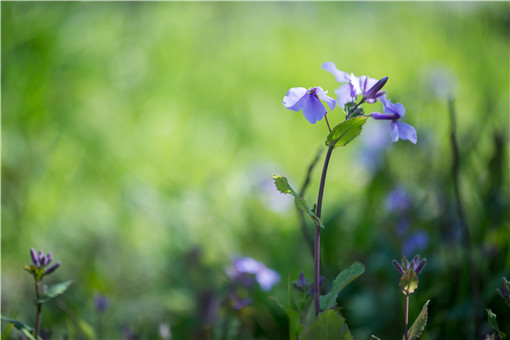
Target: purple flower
<point>416,241</point>
<point>398,200</point>
<point>241,303</point>
<point>301,284</point>
<point>299,98</point>
<point>245,267</point>
<point>40,261</point>
<point>416,264</point>
<point>102,303</point>
<point>347,93</point>
<point>394,112</point>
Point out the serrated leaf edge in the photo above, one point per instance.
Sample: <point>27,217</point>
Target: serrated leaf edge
<point>335,142</point>
<point>418,332</point>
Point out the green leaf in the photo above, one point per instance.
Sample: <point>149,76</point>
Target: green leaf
<point>342,280</point>
<point>408,282</point>
<point>328,325</point>
<point>278,303</point>
<point>284,187</point>
<point>346,131</point>
<point>282,184</point>
<point>494,323</point>
<point>295,325</point>
<point>86,329</point>
<point>419,324</point>
<point>54,291</point>
<point>23,327</point>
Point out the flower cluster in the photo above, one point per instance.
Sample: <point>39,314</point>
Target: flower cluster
<point>302,284</point>
<point>416,264</point>
<point>355,86</point>
<point>370,90</point>
<point>40,262</point>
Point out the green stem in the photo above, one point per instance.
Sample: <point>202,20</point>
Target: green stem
<point>39,309</point>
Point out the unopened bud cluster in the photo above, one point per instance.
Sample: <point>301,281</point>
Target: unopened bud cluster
<point>416,264</point>
<point>40,262</point>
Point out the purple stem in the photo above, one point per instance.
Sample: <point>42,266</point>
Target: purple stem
<point>407,316</point>
<point>316,252</point>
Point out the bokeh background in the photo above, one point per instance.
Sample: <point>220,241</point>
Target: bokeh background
<point>139,140</point>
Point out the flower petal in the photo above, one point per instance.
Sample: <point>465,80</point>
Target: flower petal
<point>390,108</point>
<point>322,95</point>
<point>344,95</point>
<point>267,278</point>
<point>406,131</point>
<point>340,76</point>
<point>313,109</point>
<point>394,131</point>
<point>293,100</point>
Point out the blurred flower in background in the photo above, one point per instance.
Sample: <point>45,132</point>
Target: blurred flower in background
<point>399,203</point>
<point>374,143</point>
<point>440,81</point>
<point>102,303</point>
<point>417,241</point>
<point>246,271</point>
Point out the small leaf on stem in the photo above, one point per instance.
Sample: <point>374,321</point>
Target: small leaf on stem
<point>284,187</point>
<point>345,277</point>
<point>494,323</point>
<point>418,324</point>
<point>346,131</point>
<point>54,291</point>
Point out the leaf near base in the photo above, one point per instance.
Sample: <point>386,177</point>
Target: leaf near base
<point>328,325</point>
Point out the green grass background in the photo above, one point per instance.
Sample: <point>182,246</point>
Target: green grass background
<point>135,135</point>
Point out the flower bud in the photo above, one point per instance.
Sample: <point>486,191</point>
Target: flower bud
<point>49,257</point>
<point>420,266</point>
<point>52,268</point>
<point>372,94</point>
<point>35,259</point>
<point>398,267</point>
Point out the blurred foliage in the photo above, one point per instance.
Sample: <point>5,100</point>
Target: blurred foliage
<point>139,140</point>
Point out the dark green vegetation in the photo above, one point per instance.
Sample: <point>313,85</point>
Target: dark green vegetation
<point>139,142</point>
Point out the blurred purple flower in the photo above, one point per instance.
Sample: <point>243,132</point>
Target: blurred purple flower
<point>303,285</point>
<point>394,112</point>
<point>102,303</point>
<point>245,268</point>
<point>373,144</point>
<point>241,303</point>
<point>347,93</point>
<point>299,98</point>
<point>417,241</point>
<point>127,333</point>
<point>398,200</point>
